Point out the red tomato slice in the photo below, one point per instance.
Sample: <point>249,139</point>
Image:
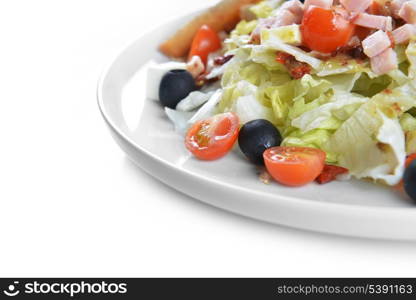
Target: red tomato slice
<point>213,138</point>
<point>325,30</point>
<point>330,173</point>
<point>205,41</point>
<point>294,166</point>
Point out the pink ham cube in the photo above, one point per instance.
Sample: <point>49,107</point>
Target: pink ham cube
<point>373,21</point>
<point>408,12</point>
<point>376,43</point>
<point>320,3</point>
<point>395,6</point>
<point>357,6</point>
<point>384,62</point>
<point>283,17</point>
<point>294,6</point>
<point>404,33</point>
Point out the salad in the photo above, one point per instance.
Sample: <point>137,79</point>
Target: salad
<point>314,90</point>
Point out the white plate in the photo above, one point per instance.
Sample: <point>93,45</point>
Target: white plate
<point>142,130</point>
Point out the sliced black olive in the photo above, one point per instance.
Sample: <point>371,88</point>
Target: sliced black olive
<point>257,136</point>
<point>175,86</point>
<point>409,180</point>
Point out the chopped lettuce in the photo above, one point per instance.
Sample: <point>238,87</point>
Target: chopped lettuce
<point>245,27</point>
<point>275,43</point>
<point>193,101</point>
<point>248,109</point>
<point>411,57</point>
<point>411,142</point>
<point>284,97</point>
<point>266,57</point>
<point>343,82</point>
<point>287,34</point>
<point>408,122</point>
<point>241,98</point>
<point>368,87</point>
<point>329,115</point>
<point>400,50</point>
<point>316,138</point>
<point>370,144</point>
<point>312,124</point>
<point>265,9</point>
<point>208,109</point>
<point>341,65</point>
<point>398,100</point>
<point>240,36</point>
<point>260,70</point>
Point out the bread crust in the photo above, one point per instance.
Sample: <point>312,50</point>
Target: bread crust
<point>223,16</point>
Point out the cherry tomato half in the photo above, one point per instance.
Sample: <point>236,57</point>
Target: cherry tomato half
<point>205,41</point>
<point>325,30</point>
<point>294,166</point>
<point>213,138</point>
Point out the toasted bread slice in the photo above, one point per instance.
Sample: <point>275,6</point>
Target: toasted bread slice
<point>223,16</point>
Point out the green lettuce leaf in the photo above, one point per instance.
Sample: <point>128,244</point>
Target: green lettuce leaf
<point>331,114</point>
<point>241,98</point>
<point>411,57</point>
<point>287,34</point>
<point>274,43</point>
<point>408,122</point>
<point>244,27</point>
<point>284,97</point>
<point>265,9</point>
<point>369,87</point>
<point>312,124</point>
<point>341,65</point>
<point>371,144</point>
<point>343,82</point>
<point>266,57</point>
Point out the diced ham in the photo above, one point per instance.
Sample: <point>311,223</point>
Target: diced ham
<point>294,6</point>
<point>195,66</point>
<point>395,6</point>
<point>404,33</point>
<point>320,3</point>
<point>384,62</point>
<point>262,24</point>
<point>376,43</point>
<point>285,17</point>
<point>408,12</point>
<point>373,21</point>
<point>282,18</point>
<point>357,6</point>
<point>339,10</point>
<point>354,42</point>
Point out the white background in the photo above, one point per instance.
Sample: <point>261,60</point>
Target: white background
<point>71,204</point>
